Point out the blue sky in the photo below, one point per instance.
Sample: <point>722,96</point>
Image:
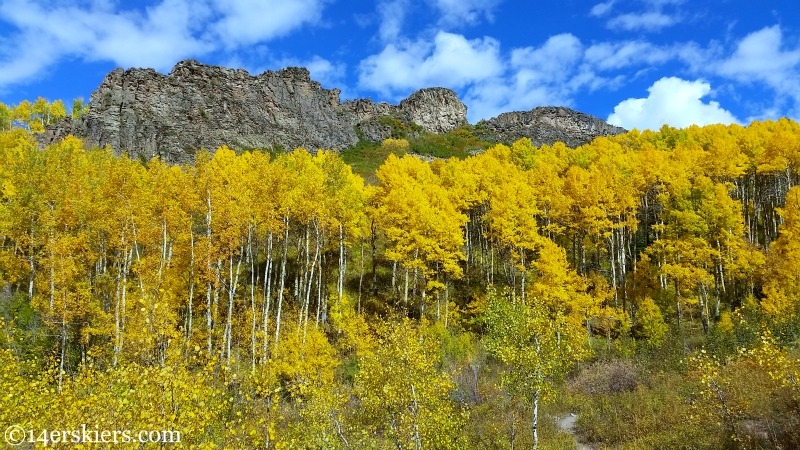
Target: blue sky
<point>637,63</point>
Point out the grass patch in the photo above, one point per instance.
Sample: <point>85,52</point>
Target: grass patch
<point>365,157</point>
<point>459,143</point>
<point>656,414</point>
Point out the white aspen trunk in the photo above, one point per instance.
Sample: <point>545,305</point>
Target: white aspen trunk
<point>361,277</point>
<point>319,293</point>
<point>297,281</point>
<point>438,307</point>
<point>209,321</point>
<point>704,313</point>
<point>405,292</point>
<point>342,262</point>
<point>117,308</point>
<point>226,341</point>
<point>253,318</point>
<point>305,280</point>
<point>320,298</point>
<point>127,268</point>
<point>491,271</point>
<point>394,281</point>
<point>415,412</point>
<point>63,351</point>
<point>233,282</point>
<point>373,247</point>
<point>422,300</point>
<point>467,251</point>
<point>32,268</point>
<point>522,281</point>
<point>414,284</point>
<point>446,302</point>
<point>535,419</point>
<point>191,288</point>
<point>163,260</point>
<point>122,305</point>
<point>283,279</point>
<point>486,257</point>
<point>215,298</point>
<point>612,259</point>
<point>52,272</point>
<point>622,252</point>
<point>138,256</point>
<point>311,279</point>
<point>117,317</point>
<point>267,298</point>
<point>209,306</point>
<point>536,392</point>
<point>170,247</point>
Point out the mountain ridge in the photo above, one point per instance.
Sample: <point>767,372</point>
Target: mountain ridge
<point>146,114</point>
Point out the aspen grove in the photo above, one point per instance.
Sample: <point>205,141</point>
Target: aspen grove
<point>278,301</point>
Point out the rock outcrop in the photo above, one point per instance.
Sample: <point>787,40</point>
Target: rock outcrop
<point>144,113</point>
<point>546,125</point>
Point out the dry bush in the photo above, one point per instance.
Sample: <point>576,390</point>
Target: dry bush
<point>606,377</point>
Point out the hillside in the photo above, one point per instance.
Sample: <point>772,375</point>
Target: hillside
<point>432,289</point>
<point>257,300</point>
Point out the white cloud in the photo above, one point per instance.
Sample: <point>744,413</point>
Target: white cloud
<point>618,55</point>
<point>651,18</point>
<point>546,75</point>
<point>246,22</point>
<point>465,12</point>
<point>45,35</point>
<point>497,95</point>
<point>324,71</point>
<point>647,21</point>
<point>671,101</point>
<point>549,74</point>
<point>17,66</point>
<point>392,15</point>
<point>450,60</point>
<point>661,3</point>
<point>329,74</point>
<point>157,36</point>
<point>601,9</point>
<point>558,54</point>
<point>759,57</point>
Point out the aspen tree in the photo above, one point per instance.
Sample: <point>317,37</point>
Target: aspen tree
<point>405,398</point>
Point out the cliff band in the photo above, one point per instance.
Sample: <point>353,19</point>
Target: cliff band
<point>145,114</point>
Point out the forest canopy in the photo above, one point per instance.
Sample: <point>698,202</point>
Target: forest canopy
<point>279,301</point>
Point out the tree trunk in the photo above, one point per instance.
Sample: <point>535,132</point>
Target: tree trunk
<point>535,419</point>
<point>311,279</point>
<point>374,249</point>
<point>251,263</point>
<point>233,281</point>
<point>342,262</point>
<point>267,299</point>
<point>283,279</point>
<point>361,277</point>
<point>191,289</point>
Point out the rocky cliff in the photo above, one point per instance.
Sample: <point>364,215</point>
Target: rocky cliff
<point>145,114</point>
<point>546,125</point>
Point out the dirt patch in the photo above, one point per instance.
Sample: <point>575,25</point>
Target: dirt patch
<point>567,425</point>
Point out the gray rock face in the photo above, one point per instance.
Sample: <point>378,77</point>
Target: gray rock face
<point>546,125</point>
<point>424,108</point>
<point>144,113</point>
